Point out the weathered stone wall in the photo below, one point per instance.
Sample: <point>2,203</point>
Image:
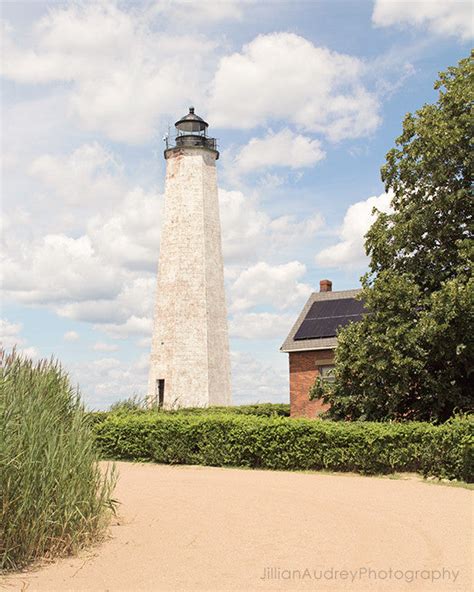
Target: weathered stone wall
<point>190,348</point>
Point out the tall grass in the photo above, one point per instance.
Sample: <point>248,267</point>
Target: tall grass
<point>54,497</point>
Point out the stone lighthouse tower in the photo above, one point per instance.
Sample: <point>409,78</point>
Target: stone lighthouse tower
<point>189,365</point>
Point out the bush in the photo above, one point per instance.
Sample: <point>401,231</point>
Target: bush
<point>291,444</point>
<point>259,409</point>
<point>53,496</point>
<point>131,406</point>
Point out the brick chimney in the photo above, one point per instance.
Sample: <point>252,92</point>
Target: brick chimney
<point>325,286</point>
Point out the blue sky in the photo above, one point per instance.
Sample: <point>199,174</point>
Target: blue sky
<point>305,99</point>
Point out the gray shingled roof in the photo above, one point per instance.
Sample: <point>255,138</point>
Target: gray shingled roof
<point>290,344</point>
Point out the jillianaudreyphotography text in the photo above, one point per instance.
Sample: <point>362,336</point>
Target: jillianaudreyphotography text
<point>441,575</point>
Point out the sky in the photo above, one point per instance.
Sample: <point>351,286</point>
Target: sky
<point>305,99</point>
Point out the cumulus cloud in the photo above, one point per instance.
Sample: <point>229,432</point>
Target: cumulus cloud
<point>134,299</point>
<point>243,224</point>
<point>122,223</point>
<point>276,285</point>
<point>58,268</point>
<point>260,325</point>
<point>107,380</point>
<point>71,336</point>
<point>442,17</point>
<point>122,75</point>
<point>259,380</point>
<point>129,235</point>
<point>89,175</point>
<point>10,333</point>
<point>349,251</point>
<point>202,12</point>
<point>288,228</point>
<point>249,233</point>
<point>106,347</point>
<point>282,149</point>
<point>132,326</point>
<point>105,272</point>
<point>312,87</point>
<point>10,337</point>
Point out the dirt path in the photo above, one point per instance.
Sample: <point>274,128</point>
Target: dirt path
<point>200,528</point>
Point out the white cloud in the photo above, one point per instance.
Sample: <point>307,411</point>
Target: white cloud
<point>122,224</point>
<point>71,336</point>
<point>260,325</point>
<point>10,338</point>
<point>106,347</point>
<point>288,228</point>
<point>442,17</point>
<point>10,333</point>
<point>243,223</point>
<point>107,380</point>
<point>202,12</point>
<point>283,149</point>
<point>357,221</point>
<point>249,233</point>
<point>282,76</point>
<point>256,380</point>
<point>89,175</point>
<point>129,235</point>
<point>122,75</point>
<point>135,299</point>
<point>132,326</point>
<point>91,311</point>
<point>277,286</point>
<point>144,342</point>
<point>26,133</point>
<point>107,273</point>
<point>58,268</point>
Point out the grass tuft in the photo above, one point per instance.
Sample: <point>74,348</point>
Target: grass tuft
<point>54,498</point>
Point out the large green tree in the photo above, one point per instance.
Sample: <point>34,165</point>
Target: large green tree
<point>411,357</point>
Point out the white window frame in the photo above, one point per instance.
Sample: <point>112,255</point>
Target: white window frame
<point>323,375</point>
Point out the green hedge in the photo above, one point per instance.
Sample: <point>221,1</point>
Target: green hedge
<point>291,444</point>
<point>259,409</point>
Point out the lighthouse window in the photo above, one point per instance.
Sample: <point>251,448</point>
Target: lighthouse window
<point>160,391</point>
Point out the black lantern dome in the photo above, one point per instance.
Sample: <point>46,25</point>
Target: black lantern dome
<point>191,123</point>
<point>191,132</point>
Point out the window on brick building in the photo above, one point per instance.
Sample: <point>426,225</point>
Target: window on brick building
<point>326,373</point>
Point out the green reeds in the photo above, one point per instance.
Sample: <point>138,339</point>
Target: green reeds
<point>54,498</point>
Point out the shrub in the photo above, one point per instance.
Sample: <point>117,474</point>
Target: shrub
<point>131,406</point>
<point>291,444</point>
<point>260,409</point>
<point>94,417</point>
<point>53,496</point>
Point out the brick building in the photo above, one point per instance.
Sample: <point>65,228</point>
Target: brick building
<point>312,341</point>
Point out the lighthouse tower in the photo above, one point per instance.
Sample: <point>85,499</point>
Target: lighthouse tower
<point>189,364</point>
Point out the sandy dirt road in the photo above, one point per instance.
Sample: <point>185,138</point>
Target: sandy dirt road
<point>211,529</point>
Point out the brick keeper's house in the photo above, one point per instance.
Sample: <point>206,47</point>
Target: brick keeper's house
<point>312,341</point>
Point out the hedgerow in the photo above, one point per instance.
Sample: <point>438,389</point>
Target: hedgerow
<point>281,443</point>
<point>259,409</point>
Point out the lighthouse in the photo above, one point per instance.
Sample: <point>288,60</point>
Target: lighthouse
<point>189,362</point>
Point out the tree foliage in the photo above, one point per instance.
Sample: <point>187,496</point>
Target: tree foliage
<point>411,357</point>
